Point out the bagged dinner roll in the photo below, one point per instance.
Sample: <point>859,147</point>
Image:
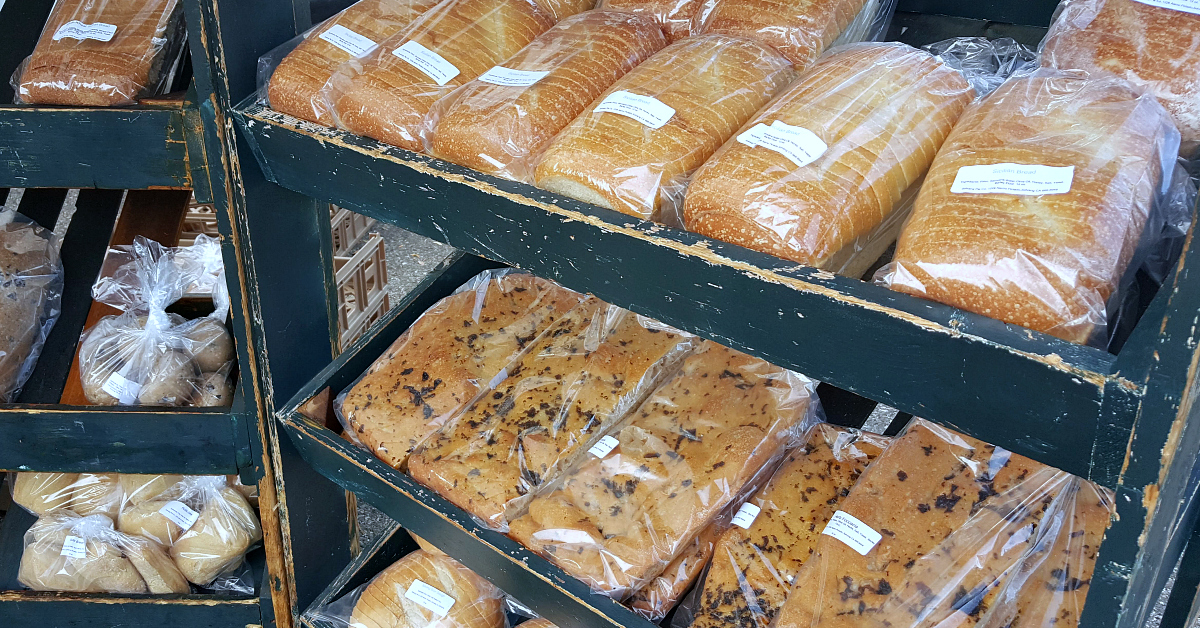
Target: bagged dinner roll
<point>41,493</point>
<point>223,527</point>
<point>66,552</point>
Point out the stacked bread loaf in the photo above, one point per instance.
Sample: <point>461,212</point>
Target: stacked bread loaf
<point>674,17</point>
<point>799,29</point>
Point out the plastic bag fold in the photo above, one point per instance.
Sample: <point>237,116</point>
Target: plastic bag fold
<point>31,286</point>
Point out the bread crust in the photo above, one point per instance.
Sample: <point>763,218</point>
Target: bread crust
<point>674,17</point>
<point>799,29</point>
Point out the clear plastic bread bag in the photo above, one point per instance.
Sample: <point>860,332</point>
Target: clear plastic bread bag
<point>440,363</point>
<point>634,147</point>
<point>576,381</point>
<point>826,173</point>
<point>148,356</point>
<point>673,17</point>
<point>83,494</point>
<point>1036,203</point>
<point>800,31</point>
<point>701,442</point>
<point>775,531</point>
<point>1147,43</point>
<point>291,76</point>
<point>66,552</point>
<point>421,590</point>
<point>387,94</point>
<point>31,285</point>
<point>500,122</point>
<point>102,53</point>
<point>943,529</point>
<point>655,599</point>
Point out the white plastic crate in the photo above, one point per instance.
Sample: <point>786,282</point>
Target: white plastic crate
<point>347,228</point>
<point>362,289</point>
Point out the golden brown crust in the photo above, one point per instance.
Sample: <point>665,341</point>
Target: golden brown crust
<point>674,17</point>
<point>686,454</point>
<point>92,73</point>
<point>386,98</point>
<point>1048,262</point>
<point>713,82</point>
<point>295,86</point>
<point>441,362</point>
<point>654,600</point>
<point>882,109</point>
<point>799,29</point>
<point>500,129</point>
<point>1152,47</point>
<point>382,604</point>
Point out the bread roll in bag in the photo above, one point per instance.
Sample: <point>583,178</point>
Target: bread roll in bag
<point>1149,46</point>
<point>674,17</point>
<point>500,129</point>
<point>705,87</point>
<point>385,97</point>
<point>41,493</point>
<point>95,561</point>
<point>799,29</point>
<point>1048,262</point>
<point>870,117</point>
<point>295,86</point>
<point>384,603</point>
<point>101,53</point>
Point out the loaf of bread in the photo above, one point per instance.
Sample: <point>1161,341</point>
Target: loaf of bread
<point>1150,46</point>
<point>970,534</point>
<point>1042,258</point>
<point>136,488</point>
<point>451,352</point>
<point>155,567</point>
<point>799,29</point>
<point>97,494</point>
<point>386,97</point>
<point>41,493</point>
<point>577,380</point>
<point>753,567</point>
<point>674,17</point>
<point>562,9</point>
<point>102,54</point>
<point>218,541</point>
<point>94,562</point>
<point>147,521</point>
<point>657,597</point>
<point>688,452</point>
<point>865,122</point>
<point>500,128</point>
<point>31,284</point>
<point>383,603</point>
<point>705,87</point>
<point>295,86</point>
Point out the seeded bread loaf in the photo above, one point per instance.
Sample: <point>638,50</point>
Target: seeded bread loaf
<point>753,568</point>
<point>576,381</point>
<point>654,600</point>
<point>446,357</point>
<point>688,452</point>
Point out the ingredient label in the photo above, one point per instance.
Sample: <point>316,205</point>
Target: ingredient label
<point>124,390</point>
<point>1189,6</point>
<point>179,512</point>
<point>74,547</point>
<point>1021,179</point>
<point>349,41</point>
<point>500,75</point>
<point>427,61</point>
<point>746,515</point>
<point>499,378</point>
<point>651,112</point>
<point>430,598</point>
<point>796,143</point>
<point>604,446</point>
<point>78,30</point>
<point>861,537</point>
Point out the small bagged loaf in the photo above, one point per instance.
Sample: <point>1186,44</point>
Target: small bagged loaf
<point>136,488</point>
<point>692,449</point>
<point>674,17</point>
<point>41,493</point>
<point>97,494</point>
<point>501,128</point>
<point>1045,261</point>
<point>101,54</point>
<point>383,603</point>
<point>705,86</point>
<point>100,565</point>
<point>865,122</point>
<point>970,534</point>
<point>656,598</point>
<point>218,541</point>
<point>295,86</point>
<point>147,521</point>
<point>155,567</point>
<point>578,379</point>
<point>385,97</point>
<point>799,29</point>
<point>753,567</point>
<point>1150,46</point>
<point>453,350</point>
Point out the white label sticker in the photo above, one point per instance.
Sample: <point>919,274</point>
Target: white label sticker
<point>78,30</point>
<point>429,597</point>
<point>74,547</point>
<point>499,378</point>
<point>427,61</point>
<point>746,515</point>
<point>501,75</point>
<point>861,537</point>
<point>124,390</point>
<point>604,446</point>
<point>1189,6</point>
<point>796,143</point>
<point>1019,179</point>
<point>349,41</point>
<point>179,512</point>
<point>651,112</point>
